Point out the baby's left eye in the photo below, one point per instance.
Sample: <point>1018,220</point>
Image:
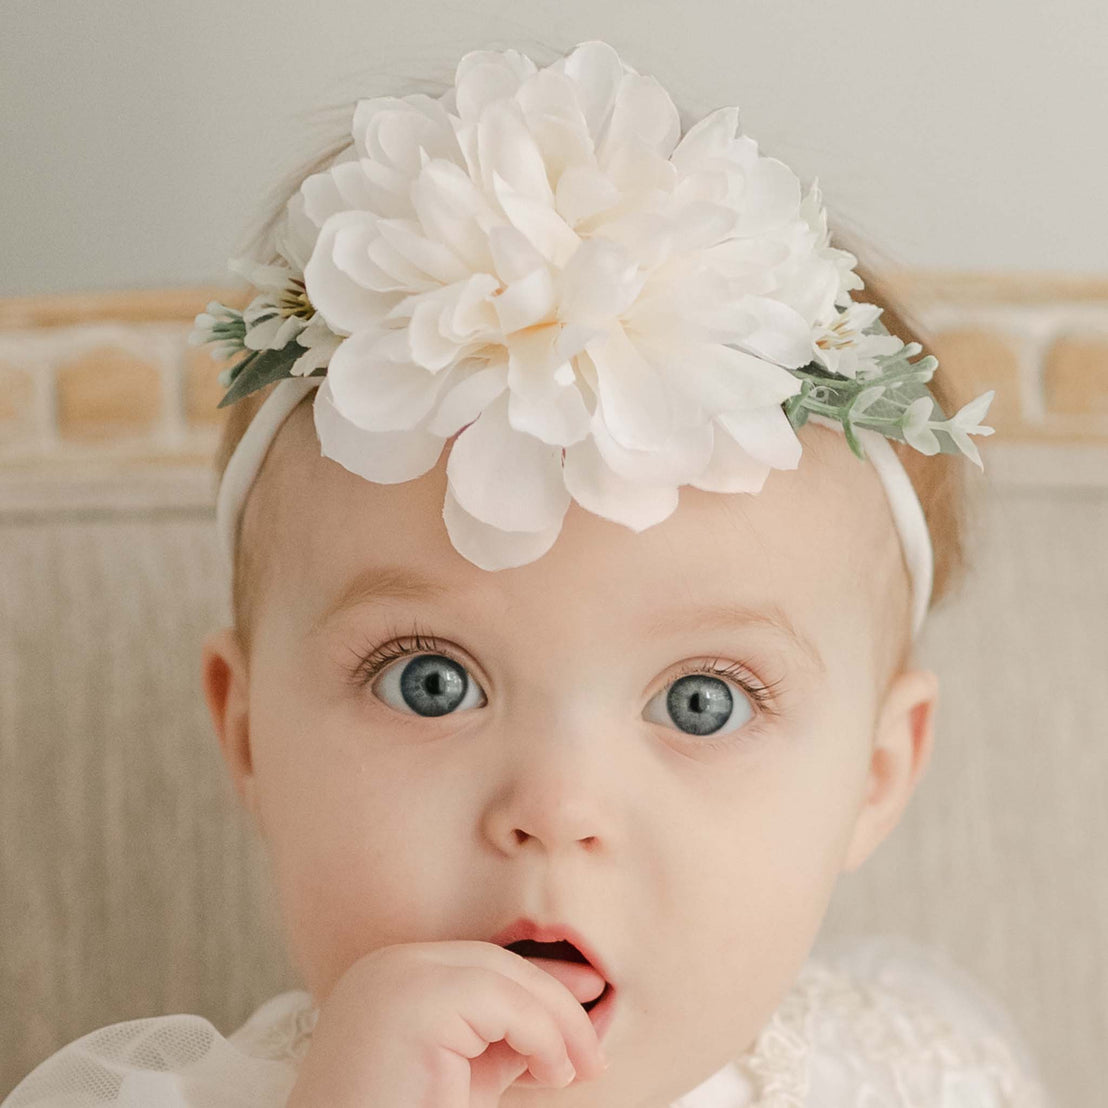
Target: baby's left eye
<point>700,703</point>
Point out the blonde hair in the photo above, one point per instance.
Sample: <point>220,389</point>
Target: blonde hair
<point>938,479</point>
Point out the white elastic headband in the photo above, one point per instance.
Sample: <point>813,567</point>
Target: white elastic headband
<point>907,512</point>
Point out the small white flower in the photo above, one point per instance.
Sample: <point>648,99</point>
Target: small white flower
<point>279,312</point>
<point>917,426</point>
<point>967,421</point>
<point>211,326</point>
<point>842,347</point>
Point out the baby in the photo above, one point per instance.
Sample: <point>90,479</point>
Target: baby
<point>555,811</point>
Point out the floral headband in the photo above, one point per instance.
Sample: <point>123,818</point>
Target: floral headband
<point>604,308</point>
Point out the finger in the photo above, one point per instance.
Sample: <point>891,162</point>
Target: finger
<point>492,1073</point>
<point>498,1009</point>
<point>580,1037</point>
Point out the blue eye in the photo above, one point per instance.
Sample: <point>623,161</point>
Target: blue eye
<point>699,703</point>
<point>435,683</point>
<point>430,685</point>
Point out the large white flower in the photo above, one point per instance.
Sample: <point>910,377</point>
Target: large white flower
<point>604,309</point>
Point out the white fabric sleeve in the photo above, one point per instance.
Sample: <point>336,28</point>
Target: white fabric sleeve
<point>179,1061</point>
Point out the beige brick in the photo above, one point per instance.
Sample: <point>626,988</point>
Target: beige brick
<point>973,361</point>
<point>107,392</point>
<point>17,404</point>
<point>203,392</point>
<point>1075,377</point>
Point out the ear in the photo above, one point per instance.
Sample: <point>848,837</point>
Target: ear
<point>226,688</point>
<point>902,742</point>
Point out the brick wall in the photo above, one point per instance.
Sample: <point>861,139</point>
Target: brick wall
<point>107,379</point>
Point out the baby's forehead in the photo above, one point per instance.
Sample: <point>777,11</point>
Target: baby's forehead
<point>813,540</point>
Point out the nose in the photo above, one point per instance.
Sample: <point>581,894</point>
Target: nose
<point>554,789</point>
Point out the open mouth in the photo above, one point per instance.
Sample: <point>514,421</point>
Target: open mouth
<point>561,952</point>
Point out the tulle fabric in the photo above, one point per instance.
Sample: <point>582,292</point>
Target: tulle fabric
<point>877,1022</point>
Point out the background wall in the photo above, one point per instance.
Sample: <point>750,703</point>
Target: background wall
<point>140,139</point>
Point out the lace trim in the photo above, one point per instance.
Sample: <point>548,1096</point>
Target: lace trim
<point>777,1064</point>
<point>881,1030</point>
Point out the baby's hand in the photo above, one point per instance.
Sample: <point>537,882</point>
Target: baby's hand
<point>443,1025</point>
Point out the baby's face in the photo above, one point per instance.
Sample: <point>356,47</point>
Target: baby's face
<point>547,754</point>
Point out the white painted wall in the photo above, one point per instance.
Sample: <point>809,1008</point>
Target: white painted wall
<point>138,139</point>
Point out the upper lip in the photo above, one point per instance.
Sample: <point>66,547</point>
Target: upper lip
<point>550,933</point>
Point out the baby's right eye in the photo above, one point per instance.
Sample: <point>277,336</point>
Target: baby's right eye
<point>429,685</point>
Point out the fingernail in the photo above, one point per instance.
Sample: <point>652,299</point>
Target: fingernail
<point>569,1072</point>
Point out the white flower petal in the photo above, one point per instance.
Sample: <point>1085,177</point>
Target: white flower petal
<point>526,302</point>
<point>643,115</point>
<point>508,150</point>
<point>259,335</point>
<point>484,76</point>
<point>316,356</point>
<point>766,434</point>
<point>374,386</point>
<point>597,487</point>
<point>504,477</point>
<point>683,455</point>
<point>430,348</point>
<point>387,457</point>
<point>597,71</point>
<point>781,334</point>
<point>489,547</point>
<point>321,198</point>
<point>464,401</point>
<point>916,432</point>
<point>582,192</point>
<point>419,258</point>
<point>632,392</point>
<point>453,210</point>
<point>540,224</point>
<point>557,416</point>
<point>346,305</point>
<point>966,445</point>
<point>724,379</point>
<point>600,281</point>
<point>772,198</point>
<point>360,252</point>
<point>969,416</point>
<point>399,132</point>
<point>546,398</point>
<point>731,468</point>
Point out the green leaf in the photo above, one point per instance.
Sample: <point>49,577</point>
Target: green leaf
<point>852,440</point>
<point>260,369</point>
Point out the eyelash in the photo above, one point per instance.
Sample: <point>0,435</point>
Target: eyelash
<point>372,660</point>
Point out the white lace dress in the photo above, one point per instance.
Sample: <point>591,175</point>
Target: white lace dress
<point>869,1023</point>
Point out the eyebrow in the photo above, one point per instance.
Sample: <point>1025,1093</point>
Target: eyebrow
<point>722,617</point>
<point>382,583</point>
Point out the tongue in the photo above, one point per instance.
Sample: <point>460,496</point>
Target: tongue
<point>581,979</point>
